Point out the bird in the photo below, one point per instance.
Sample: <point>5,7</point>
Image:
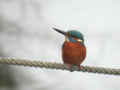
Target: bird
<point>73,48</point>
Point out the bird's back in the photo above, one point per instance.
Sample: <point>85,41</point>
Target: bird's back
<point>73,53</point>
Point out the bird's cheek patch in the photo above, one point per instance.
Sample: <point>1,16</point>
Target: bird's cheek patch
<point>79,40</point>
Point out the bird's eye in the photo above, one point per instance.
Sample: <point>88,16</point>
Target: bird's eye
<point>72,39</point>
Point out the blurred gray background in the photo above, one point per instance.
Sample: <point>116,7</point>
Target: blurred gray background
<point>26,33</point>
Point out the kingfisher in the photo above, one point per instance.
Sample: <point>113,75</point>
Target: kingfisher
<point>73,48</point>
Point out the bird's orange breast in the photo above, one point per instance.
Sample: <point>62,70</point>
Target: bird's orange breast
<point>73,53</point>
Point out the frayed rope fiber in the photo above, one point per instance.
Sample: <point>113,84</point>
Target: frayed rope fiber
<point>50,65</point>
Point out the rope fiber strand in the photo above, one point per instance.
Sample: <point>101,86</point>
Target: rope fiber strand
<point>23,62</point>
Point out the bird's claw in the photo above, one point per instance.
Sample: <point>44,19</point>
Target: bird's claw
<point>75,67</point>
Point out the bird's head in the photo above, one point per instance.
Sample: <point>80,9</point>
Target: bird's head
<point>72,35</point>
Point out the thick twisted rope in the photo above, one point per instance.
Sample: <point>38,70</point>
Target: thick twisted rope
<point>12,61</point>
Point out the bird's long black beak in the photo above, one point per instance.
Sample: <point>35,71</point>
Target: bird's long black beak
<point>60,31</point>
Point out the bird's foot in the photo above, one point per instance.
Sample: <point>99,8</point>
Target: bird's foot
<point>80,67</point>
<point>74,67</point>
<point>70,66</point>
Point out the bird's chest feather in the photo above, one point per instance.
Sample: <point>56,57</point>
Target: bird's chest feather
<point>73,53</point>
<point>72,48</point>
